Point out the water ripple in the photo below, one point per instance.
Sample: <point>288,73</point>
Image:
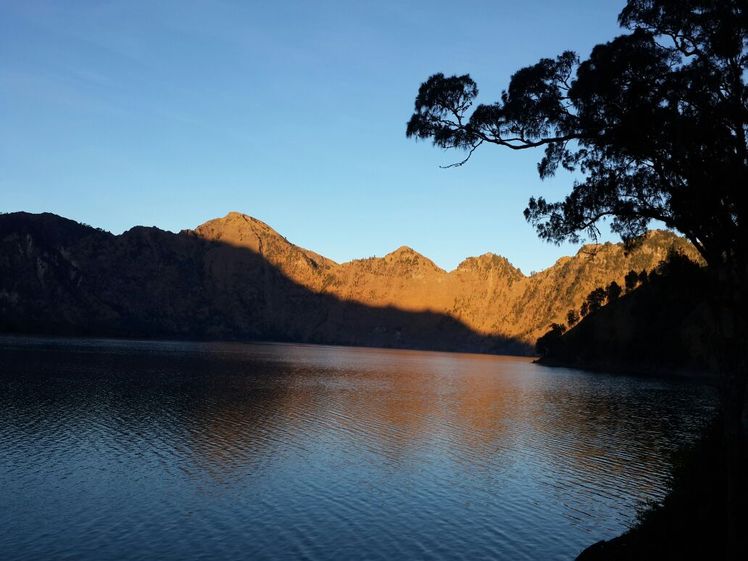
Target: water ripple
<point>138,450</point>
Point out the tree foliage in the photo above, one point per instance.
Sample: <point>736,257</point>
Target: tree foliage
<point>548,342</point>
<point>584,309</point>
<point>654,121</point>
<point>613,291</point>
<point>631,280</point>
<point>596,299</point>
<point>572,318</point>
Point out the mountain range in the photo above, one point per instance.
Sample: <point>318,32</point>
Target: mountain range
<point>236,278</point>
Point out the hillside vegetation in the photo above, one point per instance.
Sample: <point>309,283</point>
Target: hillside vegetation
<point>658,324</point>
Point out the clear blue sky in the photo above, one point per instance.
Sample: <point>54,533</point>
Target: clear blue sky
<point>171,113</point>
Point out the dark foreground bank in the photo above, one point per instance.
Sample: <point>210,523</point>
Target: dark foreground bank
<point>661,328</point>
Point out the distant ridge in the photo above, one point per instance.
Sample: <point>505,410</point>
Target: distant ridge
<point>487,292</point>
<point>236,277</point>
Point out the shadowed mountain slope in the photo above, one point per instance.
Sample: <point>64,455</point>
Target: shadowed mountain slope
<point>663,326</point>
<point>237,278</point>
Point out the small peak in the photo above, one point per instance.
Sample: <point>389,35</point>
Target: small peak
<point>236,219</point>
<point>492,257</point>
<point>488,260</point>
<point>406,253</point>
<point>410,257</point>
<point>239,229</point>
<point>472,262</point>
<point>236,216</point>
<point>404,250</point>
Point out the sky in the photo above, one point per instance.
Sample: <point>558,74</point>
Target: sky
<point>175,112</point>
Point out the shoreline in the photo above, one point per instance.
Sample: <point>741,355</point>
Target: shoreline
<point>166,340</point>
<point>636,370</point>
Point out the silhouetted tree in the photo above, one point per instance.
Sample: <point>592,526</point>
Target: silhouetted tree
<point>572,318</point>
<point>595,299</point>
<point>613,291</point>
<point>655,122</point>
<point>546,344</point>
<point>676,264</point>
<point>643,277</point>
<point>632,280</point>
<point>584,309</point>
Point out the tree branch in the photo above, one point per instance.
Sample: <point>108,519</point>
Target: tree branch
<point>463,162</point>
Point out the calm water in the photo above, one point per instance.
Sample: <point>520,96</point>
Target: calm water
<point>129,450</point>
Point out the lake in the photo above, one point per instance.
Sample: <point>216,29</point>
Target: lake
<point>185,451</point>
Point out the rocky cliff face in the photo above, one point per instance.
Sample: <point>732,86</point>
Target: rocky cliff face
<point>235,277</point>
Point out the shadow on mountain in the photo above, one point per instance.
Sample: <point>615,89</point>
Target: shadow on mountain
<point>64,278</point>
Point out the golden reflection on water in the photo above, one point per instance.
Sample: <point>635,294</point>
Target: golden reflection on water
<point>395,402</point>
<point>269,447</point>
<point>400,405</point>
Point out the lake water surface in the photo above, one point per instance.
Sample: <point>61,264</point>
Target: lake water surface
<point>185,451</point>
